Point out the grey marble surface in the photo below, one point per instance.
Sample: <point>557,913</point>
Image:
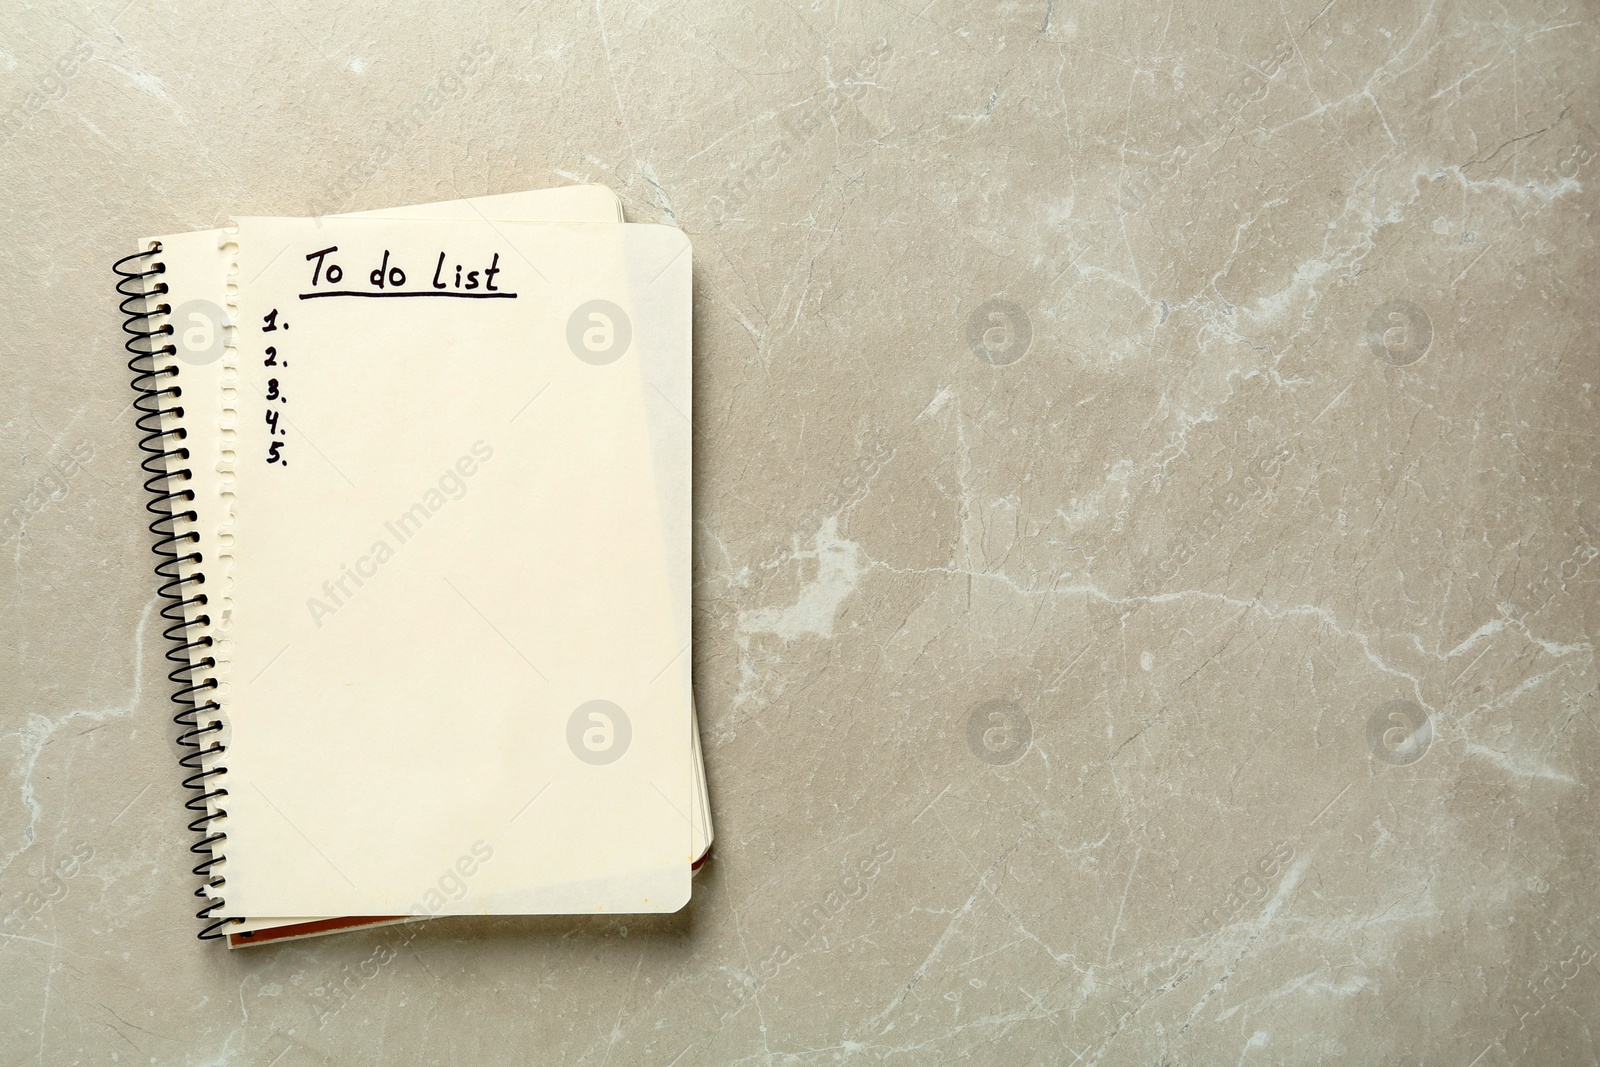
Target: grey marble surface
<point>1146,525</point>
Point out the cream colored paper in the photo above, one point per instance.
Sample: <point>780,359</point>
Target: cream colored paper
<point>380,745</point>
<point>199,291</point>
<point>198,265</point>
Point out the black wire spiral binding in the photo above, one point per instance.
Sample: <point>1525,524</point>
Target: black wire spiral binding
<point>147,377</point>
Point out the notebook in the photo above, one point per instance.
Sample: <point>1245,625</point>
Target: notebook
<point>427,558</point>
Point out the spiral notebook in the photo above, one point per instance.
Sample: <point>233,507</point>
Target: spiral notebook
<point>422,492</point>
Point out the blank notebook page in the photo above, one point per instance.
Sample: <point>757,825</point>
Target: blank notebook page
<point>458,568</point>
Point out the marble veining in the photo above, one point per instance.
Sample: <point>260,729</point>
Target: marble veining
<point>1146,526</point>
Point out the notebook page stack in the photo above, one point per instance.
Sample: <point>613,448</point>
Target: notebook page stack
<point>423,489</point>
